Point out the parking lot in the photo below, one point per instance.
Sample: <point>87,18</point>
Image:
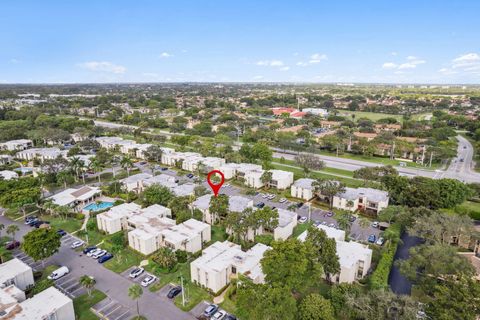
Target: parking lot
<point>198,310</point>
<point>112,310</point>
<point>70,285</point>
<point>27,259</point>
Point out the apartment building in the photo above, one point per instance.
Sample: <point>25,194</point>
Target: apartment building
<point>16,145</point>
<point>355,258</point>
<point>364,199</point>
<point>235,204</point>
<point>187,236</point>
<point>135,182</point>
<point>41,154</point>
<point>49,304</point>
<point>115,219</point>
<point>244,168</point>
<point>223,261</point>
<point>16,272</point>
<point>281,180</point>
<point>76,198</point>
<point>5,159</point>
<point>303,189</point>
<point>287,220</point>
<point>253,178</point>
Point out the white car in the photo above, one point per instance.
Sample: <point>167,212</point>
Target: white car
<point>375,224</point>
<point>77,244</point>
<point>219,315</point>
<point>264,195</point>
<point>332,225</point>
<point>302,220</point>
<point>282,200</point>
<point>148,280</point>
<point>95,251</point>
<point>99,254</point>
<point>57,274</point>
<point>380,241</point>
<point>136,272</point>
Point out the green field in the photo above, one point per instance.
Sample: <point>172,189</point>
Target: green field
<point>374,116</point>
<point>83,303</point>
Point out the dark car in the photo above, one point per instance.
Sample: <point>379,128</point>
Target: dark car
<point>352,218</point>
<point>190,176</point>
<point>260,205</point>
<point>61,232</point>
<point>105,257</point>
<point>88,249</point>
<point>174,292</point>
<point>329,214</point>
<point>230,317</point>
<point>164,169</point>
<point>38,223</point>
<point>32,222</point>
<point>372,238</point>
<point>210,311</point>
<point>300,204</point>
<point>12,245</point>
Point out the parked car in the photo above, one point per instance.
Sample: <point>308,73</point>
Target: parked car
<point>332,225</point>
<point>190,176</point>
<point>375,224</point>
<point>329,214</point>
<point>282,200</point>
<point>174,292</point>
<point>89,249</point>
<point>38,223</point>
<point>57,274</point>
<point>271,197</point>
<point>372,238</point>
<point>94,251</point>
<point>325,223</point>
<point>300,204</point>
<point>302,220</point>
<point>148,280</point>
<point>32,222</point>
<point>352,218</point>
<point>29,219</point>
<point>260,205</point>
<point>317,223</point>
<point>264,195</point>
<point>136,272</point>
<point>77,244</point>
<point>99,254</point>
<point>164,169</point>
<point>380,241</point>
<point>10,245</point>
<point>219,315</point>
<point>61,232</point>
<point>230,317</point>
<point>105,258</point>
<point>210,310</point>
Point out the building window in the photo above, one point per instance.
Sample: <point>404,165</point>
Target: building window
<point>234,270</point>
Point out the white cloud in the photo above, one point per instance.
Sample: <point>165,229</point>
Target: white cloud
<point>302,63</point>
<point>317,57</point>
<point>411,63</point>
<point>389,65</point>
<point>393,53</point>
<point>469,62</point>
<point>166,55</point>
<point>257,78</point>
<point>103,66</point>
<point>286,68</point>
<point>270,63</point>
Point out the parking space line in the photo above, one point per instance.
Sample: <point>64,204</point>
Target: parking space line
<point>118,306</point>
<point>105,306</point>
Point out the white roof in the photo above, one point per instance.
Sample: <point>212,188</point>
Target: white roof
<point>40,306</point>
<point>162,179</point>
<point>304,183</point>
<point>71,195</point>
<point>8,174</point>
<point>44,152</point>
<point>136,178</point>
<point>371,194</point>
<point>280,175</point>
<point>239,203</point>
<point>338,235</point>
<point>17,142</point>
<point>184,189</point>
<point>12,268</point>
<point>285,217</point>
<point>184,231</point>
<point>244,167</point>
<point>203,202</point>
<point>121,211</point>
<point>350,253</point>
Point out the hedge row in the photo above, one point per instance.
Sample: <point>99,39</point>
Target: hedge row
<point>379,278</point>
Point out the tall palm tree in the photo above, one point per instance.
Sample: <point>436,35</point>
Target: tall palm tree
<point>266,179</point>
<point>135,292</point>
<point>12,229</point>
<point>75,166</point>
<point>62,176</point>
<point>4,254</point>
<point>96,167</point>
<point>88,283</point>
<point>127,164</point>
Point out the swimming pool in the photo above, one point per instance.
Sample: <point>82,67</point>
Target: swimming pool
<point>98,206</point>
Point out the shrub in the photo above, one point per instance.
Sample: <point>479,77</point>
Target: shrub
<point>79,216</point>
<point>165,258</point>
<point>41,285</point>
<point>266,239</point>
<point>181,256</point>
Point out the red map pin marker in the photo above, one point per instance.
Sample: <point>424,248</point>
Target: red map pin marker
<point>215,187</point>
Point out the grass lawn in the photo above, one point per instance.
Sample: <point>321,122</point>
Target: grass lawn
<point>123,260</point>
<point>67,224</point>
<point>374,116</point>
<point>300,228</point>
<point>325,170</point>
<point>218,234</point>
<point>48,270</point>
<point>83,303</point>
<point>193,294</point>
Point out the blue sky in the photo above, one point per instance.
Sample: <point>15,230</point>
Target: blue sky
<point>422,41</point>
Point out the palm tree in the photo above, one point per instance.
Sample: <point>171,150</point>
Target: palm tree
<point>363,222</point>
<point>2,226</point>
<point>63,177</point>
<point>328,188</point>
<point>127,164</point>
<point>266,179</point>
<point>96,167</point>
<point>12,229</point>
<point>88,283</point>
<point>135,292</point>
<point>62,211</point>
<point>75,164</point>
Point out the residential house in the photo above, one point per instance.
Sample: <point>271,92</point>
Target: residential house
<point>223,261</point>
<point>235,204</point>
<point>303,189</point>
<point>5,159</point>
<point>287,221</point>
<point>184,190</point>
<point>363,199</point>
<point>281,180</point>
<point>135,182</point>
<point>16,145</point>
<point>187,236</point>
<point>76,198</point>
<point>253,178</point>
<point>16,272</point>
<point>355,258</point>
<point>316,111</point>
